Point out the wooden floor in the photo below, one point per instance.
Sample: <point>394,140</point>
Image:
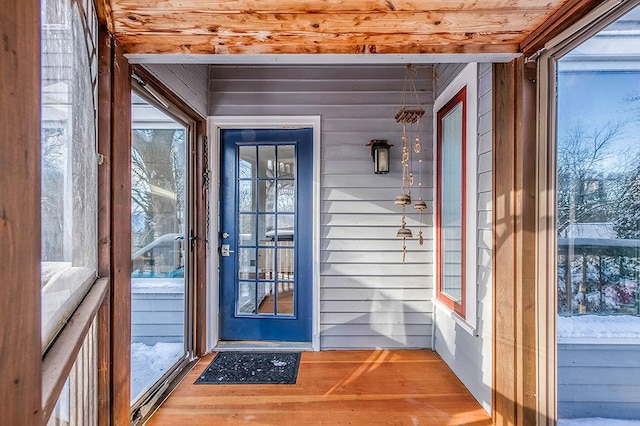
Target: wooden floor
<point>333,388</point>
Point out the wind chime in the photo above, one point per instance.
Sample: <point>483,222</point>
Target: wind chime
<point>409,116</point>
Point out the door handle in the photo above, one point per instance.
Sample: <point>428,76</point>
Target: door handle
<point>225,250</point>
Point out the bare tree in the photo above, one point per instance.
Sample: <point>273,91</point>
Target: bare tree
<point>158,182</point>
<point>586,190</point>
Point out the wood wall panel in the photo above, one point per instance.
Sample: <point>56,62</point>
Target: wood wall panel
<point>20,345</point>
<point>514,245</point>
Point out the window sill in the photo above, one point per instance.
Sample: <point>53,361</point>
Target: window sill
<point>456,317</point>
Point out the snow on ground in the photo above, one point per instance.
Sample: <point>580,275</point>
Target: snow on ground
<point>597,422</point>
<point>618,326</point>
<point>149,363</point>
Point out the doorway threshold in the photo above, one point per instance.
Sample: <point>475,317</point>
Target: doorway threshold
<point>257,345</point>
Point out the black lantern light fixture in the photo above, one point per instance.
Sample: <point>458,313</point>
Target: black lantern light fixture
<point>380,155</point>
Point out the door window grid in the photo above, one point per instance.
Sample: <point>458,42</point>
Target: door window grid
<point>266,247</point>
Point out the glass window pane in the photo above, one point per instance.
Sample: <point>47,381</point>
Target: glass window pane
<point>158,222</point>
<point>285,298</point>
<point>286,161</point>
<point>246,263</point>
<point>266,228</point>
<point>451,203</point>
<point>286,229</point>
<point>247,163</point>
<point>266,298</point>
<point>247,195</point>
<point>266,264</point>
<point>68,162</point>
<point>246,298</point>
<point>247,223</point>
<point>286,196</point>
<point>267,195</point>
<point>286,263</point>
<point>598,225</point>
<point>266,161</point>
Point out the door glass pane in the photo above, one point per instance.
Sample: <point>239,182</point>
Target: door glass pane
<point>286,161</point>
<point>598,225</point>
<point>286,196</point>
<point>266,161</point>
<point>247,196</point>
<point>246,298</point>
<point>247,163</point>
<point>266,196</point>
<point>451,203</point>
<point>246,263</point>
<point>266,270</point>
<point>286,226</point>
<point>247,229</point>
<point>266,227</point>
<point>285,263</point>
<point>158,167</point>
<point>266,298</point>
<point>285,298</point>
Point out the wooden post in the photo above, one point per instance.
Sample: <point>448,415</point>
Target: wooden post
<point>105,56</point>
<point>20,345</point>
<point>120,239</point>
<point>514,88</point>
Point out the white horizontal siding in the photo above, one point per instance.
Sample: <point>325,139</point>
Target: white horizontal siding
<point>470,356</point>
<point>157,317</point>
<point>369,298</point>
<point>599,380</point>
<point>188,81</point>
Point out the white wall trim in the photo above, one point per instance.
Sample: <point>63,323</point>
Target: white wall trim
<point>214,125</point>
<point>316,59</point>
<point>467,77</point>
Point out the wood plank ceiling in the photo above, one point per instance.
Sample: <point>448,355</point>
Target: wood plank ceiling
<point>326,26</point>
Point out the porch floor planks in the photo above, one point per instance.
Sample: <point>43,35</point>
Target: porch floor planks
<point>397,387</point>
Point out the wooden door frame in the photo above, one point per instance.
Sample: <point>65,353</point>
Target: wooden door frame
<point>215,124</point>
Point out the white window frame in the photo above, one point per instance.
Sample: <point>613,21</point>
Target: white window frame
<point>468,78</point>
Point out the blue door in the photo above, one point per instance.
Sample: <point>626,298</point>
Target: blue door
<point>266,234</point>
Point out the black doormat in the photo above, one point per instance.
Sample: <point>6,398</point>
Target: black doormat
<point>252,368</point>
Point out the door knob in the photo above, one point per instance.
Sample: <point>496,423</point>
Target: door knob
<point>225,251</point>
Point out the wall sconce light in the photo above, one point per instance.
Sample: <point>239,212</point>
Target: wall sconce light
<point>380,155</point>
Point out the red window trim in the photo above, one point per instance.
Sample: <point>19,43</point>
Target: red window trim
<point>460,308</point>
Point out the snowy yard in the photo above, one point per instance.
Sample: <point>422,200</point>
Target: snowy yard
<point>149,363</point>
<point>599,326</point>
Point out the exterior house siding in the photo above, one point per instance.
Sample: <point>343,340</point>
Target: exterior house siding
<point>598,380</point>
<point>188,81</point>
<point>470,356</point>
<point>368,297</point>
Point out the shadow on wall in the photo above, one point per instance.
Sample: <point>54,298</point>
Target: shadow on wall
<point>385,323</point>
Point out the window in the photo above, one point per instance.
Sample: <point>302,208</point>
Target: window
<point>68,160</point>
<point>456,191</point>
<point>451,206</point>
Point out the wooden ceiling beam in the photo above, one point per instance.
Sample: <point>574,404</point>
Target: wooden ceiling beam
<point>194,45</point>
<point>168,22</point>
<point>315,6</point>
